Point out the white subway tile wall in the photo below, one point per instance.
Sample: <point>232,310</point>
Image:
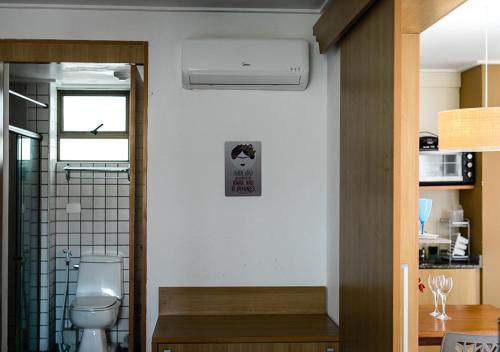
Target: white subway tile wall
<point>38,120</point>
<point>101,227</point>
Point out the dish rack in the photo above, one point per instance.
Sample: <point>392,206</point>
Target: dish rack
<point>459,235</point>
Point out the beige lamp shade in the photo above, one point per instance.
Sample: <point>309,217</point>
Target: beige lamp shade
<point>476,129</point>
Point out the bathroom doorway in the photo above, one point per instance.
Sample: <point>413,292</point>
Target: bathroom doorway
<point>125,228</point>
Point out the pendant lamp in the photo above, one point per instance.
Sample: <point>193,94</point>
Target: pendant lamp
<point>475,129</point>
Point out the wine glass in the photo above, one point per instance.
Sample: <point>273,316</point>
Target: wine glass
<point>444,288</point>
<point>424,211</point>
<point>432,281</point>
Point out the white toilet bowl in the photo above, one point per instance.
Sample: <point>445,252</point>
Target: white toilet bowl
<point>97,302</point>
<point>94,314</point>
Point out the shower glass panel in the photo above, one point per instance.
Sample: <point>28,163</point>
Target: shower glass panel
<point>24,242</point>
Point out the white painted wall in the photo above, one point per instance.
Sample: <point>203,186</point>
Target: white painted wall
<point>439,91</point>
<point>333,181</point>
<point>197,236</point>
<point>442,203</point>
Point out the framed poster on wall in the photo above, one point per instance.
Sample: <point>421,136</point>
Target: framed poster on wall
<point>243,169</point>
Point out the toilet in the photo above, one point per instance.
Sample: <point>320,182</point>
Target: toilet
<point>97,301</point>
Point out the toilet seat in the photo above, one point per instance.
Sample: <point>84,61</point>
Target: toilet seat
<point>94,303</point>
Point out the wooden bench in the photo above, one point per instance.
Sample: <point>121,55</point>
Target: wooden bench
<point>244,319</point>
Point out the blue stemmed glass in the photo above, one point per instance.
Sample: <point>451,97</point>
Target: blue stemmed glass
<point>424,211</point>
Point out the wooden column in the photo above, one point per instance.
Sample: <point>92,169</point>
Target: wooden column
<point>366,182</point>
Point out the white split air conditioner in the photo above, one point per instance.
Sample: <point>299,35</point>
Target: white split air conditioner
<point>270,64</point>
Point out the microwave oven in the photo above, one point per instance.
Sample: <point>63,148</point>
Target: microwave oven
<point>446,168</point>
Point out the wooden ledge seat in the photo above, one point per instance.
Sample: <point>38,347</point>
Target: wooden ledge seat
<point>245,329</point>
<point>226,319</point>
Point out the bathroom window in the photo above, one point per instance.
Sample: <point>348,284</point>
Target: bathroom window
<point>93,125</point>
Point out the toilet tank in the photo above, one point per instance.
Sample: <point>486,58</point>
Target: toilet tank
<point>100,275</point>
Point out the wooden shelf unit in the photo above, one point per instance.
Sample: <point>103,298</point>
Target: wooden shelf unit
<point>244,319</point>
<point>447,188</point>
<point>438,240</point>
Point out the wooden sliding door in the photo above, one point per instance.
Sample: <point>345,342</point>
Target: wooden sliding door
<point>366,182</point>
<point>379,112</point>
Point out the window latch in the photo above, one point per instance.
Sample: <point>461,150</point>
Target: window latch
<point>95,130</point>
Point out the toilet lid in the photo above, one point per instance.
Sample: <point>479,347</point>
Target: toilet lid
<point>93,302</point>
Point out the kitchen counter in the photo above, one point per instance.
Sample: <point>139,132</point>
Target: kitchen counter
<point>473,263</point>
<point>449,266</point>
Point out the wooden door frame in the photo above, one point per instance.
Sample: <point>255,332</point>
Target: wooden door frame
<point>408,19</point>
<point>101,51</point>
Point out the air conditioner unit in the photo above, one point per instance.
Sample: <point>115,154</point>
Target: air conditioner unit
<point>269,64</point>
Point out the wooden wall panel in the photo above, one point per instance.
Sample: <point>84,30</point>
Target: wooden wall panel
<point>471,93</point>
<point>336,20</point>
<point>406,190</point>
<point>340,15</point>
<point>18,50</point>
<point>137,163</point>
<point>139,209</point>
<point>379,165</point>
<point>493,85</point>
<point>418,15</point>
<point>472,90</point>
<point>491,230</point>
<point>144,200</point>
<point>241,300</point>
<point>366,181</point>
<point>138,201</point>
<point>481,204</point>
<point>132,200</point>
<point>471,96</point>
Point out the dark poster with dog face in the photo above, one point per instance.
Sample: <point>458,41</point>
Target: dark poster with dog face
<point>243,168</point>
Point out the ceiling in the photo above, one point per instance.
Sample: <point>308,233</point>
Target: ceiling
<point>456,42</point>
<point>291,5</point>
<point>73,75</point>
